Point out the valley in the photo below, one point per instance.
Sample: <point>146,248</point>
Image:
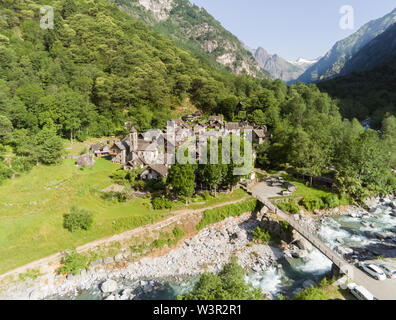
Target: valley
<point>147,153</point>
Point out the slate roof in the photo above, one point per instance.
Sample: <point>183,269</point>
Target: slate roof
<point>232,126</point>
<point>160,168</point>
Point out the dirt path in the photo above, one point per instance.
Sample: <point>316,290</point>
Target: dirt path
<point>45,264</point>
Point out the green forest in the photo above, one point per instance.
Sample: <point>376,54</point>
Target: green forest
<point>100,67</point>
<point>365,94</point>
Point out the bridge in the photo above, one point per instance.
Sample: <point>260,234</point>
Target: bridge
<point>382,290</point>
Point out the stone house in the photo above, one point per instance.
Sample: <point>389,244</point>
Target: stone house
<point>154,172</point>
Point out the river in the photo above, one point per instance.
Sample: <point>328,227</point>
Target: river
<point>358,235</point>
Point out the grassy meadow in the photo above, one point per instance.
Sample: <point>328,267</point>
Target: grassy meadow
<point>32,209</point>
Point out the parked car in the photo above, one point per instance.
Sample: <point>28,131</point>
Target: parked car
<point>388,270</point>
<point>276,184</point>
<point>373,271</point>
<point>360,292</point>
<point>286,193</point>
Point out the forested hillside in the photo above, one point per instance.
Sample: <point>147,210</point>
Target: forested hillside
<point>334,60</point>
<point>376,53</point>
<point>362,95</point>
<point>100,67</point>
<point>194,29</point>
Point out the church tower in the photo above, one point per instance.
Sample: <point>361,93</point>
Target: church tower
<point>133,139</point>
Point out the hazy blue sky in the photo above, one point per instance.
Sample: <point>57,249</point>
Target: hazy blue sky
<point>292,28</point>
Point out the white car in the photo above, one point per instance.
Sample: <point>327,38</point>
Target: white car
<point>360,292</point>
<point>373,271</point>
<point>389,271</point>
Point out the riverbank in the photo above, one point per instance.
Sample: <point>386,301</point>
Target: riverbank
<point>285,268</point>
<point>208,251</point>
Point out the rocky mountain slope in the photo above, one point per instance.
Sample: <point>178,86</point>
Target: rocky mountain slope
<point>194,29</point>
<point>377,52</point>
<point>334,61</point>
<point>280,68</point>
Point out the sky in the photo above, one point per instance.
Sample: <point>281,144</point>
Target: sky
<point>292,28</point>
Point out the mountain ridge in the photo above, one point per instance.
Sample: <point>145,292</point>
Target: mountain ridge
<point>331,64</point>
<point>195,30</point>
<point>278,67</point>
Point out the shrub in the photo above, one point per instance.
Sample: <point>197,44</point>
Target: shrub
<point>22,164</point>
<point>331,201</point>
<point>221,213</point>
<point>228,284</point>
<point>285,227</point>
<point>73,262</point>
<point>261,235</point>
<point>178,233</point>
<point>312,203</point>
<point>312,293</point>
<point>114,196</point>
<point>289,206</point>
<point>161,203</point>
<point>207,196</point>
<point>77,219</point>
<point>5,172</point>
<point>167,239</point>
<point>31,274</point>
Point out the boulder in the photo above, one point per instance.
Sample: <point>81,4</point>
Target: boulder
<point>118,257</point>
<point>304,245</point>
<point>108,260</point>
<point>96,263</point>
<point>109,286</point>
<point>126,294</point>
<point>86,160</point>
<point>317,212</point>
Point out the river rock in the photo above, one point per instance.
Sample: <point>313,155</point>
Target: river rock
<point>267,296</point>
<point>119,257</point>
<point>108,260</point>
<point>96,263</point>
<point>126,294</point>
<point>109,286</point>
<point>304,245</point>
<point>111,297</point>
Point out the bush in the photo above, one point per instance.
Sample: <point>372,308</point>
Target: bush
<point>77,219</point>
<point>312,293</point>
<point>207,196</point>
<point>162,203</point>
<point>221,213</point>
<point>73,263</point>
<point>289,206</point>
<point>228,284</point>
<point>114,196</point>
<point>5,172</point>
<point>178,233</point>
<point>285,227</point>
<point>261,235</point>
<point>22,164</point>
<point>331,201</point>
<point>312,203</point>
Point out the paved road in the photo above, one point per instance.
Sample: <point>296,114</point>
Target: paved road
<point>382,290</point>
